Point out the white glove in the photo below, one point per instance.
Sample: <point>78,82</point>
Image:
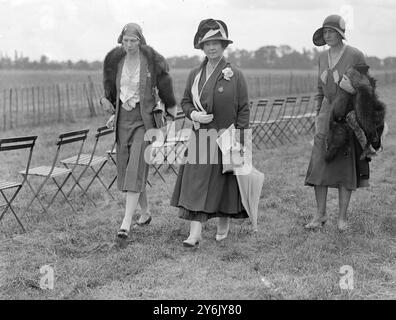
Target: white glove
<point>110,122</point>
<point>346,84</point>
<point>201,117</point>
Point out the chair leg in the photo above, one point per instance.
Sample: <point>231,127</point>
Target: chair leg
<point>76,180</point>
<point>175,151</point>
<point>112,182</point>
<point>8,206</point>
<point>96,176</point>
<point>149,183</point>
<point>280,127</point>
<point>77,183</point>
<point>263,134</point>
<point>61,191</point>
<point>157,171</point>
<point>36,194</point>
<point>115,178</point>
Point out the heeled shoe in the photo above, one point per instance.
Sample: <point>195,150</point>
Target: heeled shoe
<point>141,224</point>
<point>121,239</point>
<point>220,237</point>
<point>316,223</point>
<point>192,242</point>
<point>342,227</point>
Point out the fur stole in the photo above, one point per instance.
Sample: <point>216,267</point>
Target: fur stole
<point>156,63</point>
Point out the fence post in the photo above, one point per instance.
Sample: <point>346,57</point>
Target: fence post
<point>38,106</point>
<point>91,112</point>
<point>67,101</point>
<point>16,108</point>
<point>67,96</point>
<point>90,93</point>
<point>34,107</point>
<point>80,91</point>
<point>59,103</point>
<point>4,109</point>
<point>10,108</point>
<point>22,111</point>
<point>44,102</point>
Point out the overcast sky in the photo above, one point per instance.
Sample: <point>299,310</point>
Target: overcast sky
<point>87,29</point>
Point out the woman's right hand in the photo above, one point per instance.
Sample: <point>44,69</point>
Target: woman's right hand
<point>110,122</point>
<point>107,105</point>
<point>201,117</point>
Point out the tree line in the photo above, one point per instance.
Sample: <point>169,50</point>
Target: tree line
<point>265,57</point>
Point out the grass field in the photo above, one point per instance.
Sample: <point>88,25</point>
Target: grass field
<point>281,261</point>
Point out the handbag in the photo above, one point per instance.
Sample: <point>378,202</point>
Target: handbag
<point>159,115</point>
<point>159,112</point>
<point>232,151</point>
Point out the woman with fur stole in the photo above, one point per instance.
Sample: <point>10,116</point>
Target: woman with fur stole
<point>133,73</point>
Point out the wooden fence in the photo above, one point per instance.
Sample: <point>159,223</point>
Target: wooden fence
<point>37,105</point>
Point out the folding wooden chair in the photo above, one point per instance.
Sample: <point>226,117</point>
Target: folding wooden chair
<point>89,161</point>
<point>9,144</point>
<point>174,145</point>
<point>294,118</point>
<point>257,118</point>
<point>310,118</point>
<point>269,126</point>
<point>52,172</point>
<point>284,123</point>
<point>305,117</point>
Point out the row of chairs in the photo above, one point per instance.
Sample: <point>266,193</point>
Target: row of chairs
<point>58,172</point>
<point>61,170</point>
<point>280,120</point>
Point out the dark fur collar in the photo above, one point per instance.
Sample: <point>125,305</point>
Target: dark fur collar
<point>156,60</point>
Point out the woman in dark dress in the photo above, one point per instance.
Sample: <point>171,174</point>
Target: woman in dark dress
<point>132,74</point>
<point>345,172</point>
<point>202,190</point>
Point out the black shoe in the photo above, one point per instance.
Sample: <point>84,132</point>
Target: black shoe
<point>121,239</point>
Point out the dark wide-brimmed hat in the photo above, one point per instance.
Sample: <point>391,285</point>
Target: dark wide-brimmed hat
<point>210,29</point>
<point>132,29</point>
<point>334,22</point>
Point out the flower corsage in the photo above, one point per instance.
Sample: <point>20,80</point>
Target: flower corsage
<point>227,73</point>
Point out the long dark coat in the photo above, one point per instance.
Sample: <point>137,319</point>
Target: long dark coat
<point>203,188</point>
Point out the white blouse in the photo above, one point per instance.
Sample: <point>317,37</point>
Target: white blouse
<point>129,85</point>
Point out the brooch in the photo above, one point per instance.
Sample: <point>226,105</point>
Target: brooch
<point>221,89</point>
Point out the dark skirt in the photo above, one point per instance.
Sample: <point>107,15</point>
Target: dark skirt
<point>345,170</point>
<point>203,192</point>
<point>132,169</point>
